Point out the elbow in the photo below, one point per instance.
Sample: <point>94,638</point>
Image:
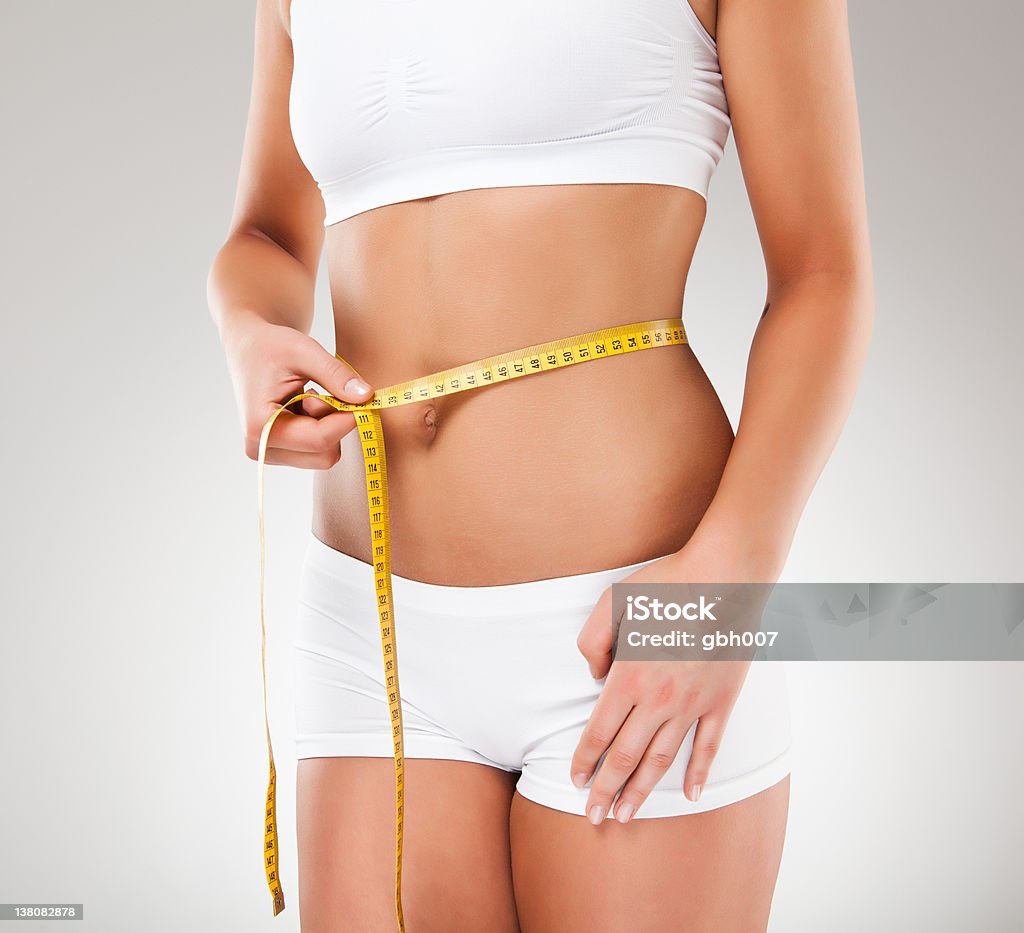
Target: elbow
<point>843,287</point>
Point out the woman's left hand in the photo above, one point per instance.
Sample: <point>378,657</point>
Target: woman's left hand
<point>647,707</point>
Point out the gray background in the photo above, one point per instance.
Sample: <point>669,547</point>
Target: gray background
<point>134,761</point>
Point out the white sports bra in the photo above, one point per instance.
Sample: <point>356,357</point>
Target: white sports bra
<point>393,100</point>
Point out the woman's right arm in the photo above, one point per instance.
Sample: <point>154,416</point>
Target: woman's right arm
<point>262,280</point>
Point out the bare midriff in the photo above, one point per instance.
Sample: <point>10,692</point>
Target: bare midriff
<point>587,468</point>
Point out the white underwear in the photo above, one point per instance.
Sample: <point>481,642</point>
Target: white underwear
<point>492,674</point>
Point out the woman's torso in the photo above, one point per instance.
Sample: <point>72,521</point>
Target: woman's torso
<point>590,467</point>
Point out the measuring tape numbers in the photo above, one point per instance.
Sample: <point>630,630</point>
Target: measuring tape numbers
<point>554,354</point>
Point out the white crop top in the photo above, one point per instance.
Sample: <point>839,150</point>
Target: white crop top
<point>393,100</point>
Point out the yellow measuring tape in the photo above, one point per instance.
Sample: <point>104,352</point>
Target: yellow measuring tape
<point>554,354</point>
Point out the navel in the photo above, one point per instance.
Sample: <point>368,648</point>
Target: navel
<point>430,421</point>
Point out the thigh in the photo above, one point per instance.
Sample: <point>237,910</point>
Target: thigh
<point>456,870</point>
<point>711,871</point>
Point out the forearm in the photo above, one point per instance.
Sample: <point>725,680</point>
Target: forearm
<point>252,275</point>
<point>802,373</point>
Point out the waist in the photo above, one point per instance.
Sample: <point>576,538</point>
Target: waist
<point>570,471</point>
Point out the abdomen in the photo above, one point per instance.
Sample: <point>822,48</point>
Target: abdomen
<point>598,465</point>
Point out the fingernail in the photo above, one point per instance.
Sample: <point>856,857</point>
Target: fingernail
<point>623,812</point>
<point>355,386</point>
<point>579,778</point>
<point>596,815</point>
<point>695,792</point>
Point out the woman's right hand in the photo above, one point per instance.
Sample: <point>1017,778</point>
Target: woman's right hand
<point>269,364</point>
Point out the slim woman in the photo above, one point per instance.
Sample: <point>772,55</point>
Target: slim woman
<point>486,178</point>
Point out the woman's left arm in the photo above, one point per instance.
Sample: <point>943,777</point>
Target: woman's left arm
<point>788,75</point>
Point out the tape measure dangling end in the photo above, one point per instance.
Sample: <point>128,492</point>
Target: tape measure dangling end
<point>271,853</point>
<point>270,843</point>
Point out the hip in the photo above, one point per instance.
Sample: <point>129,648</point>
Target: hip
<point>492,674</point>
